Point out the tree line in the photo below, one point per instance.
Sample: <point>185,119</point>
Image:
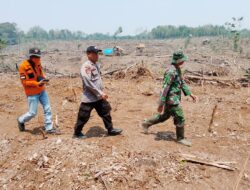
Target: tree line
<point>10,34</point>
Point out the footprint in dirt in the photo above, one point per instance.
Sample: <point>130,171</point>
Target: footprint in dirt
<point>35,131</point>
<point>165,135</point>
<point>96,131</point>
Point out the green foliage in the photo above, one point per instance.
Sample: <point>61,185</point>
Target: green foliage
<point>118,31</point>
<point>234,28</point>
<point>8,32</point>
<point>2,44</point>
<point>236,39</point>
<point>248,73</point>
<point>11,35</point>
<point>65,35</point>
<point>164,32</point>
<point>143,35</point>
<point>38,33</point>
<point>98,36</point>
<point>245,33</point>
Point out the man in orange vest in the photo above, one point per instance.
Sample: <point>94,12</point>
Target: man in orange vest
<point>33,81</point>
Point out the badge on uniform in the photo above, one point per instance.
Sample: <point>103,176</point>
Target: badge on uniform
<point>22,77</point>
<point>94,72</point>
<point>88,70</point>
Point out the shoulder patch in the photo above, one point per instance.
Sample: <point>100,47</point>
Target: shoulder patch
<point>22,77</point>
<point>87,69</point>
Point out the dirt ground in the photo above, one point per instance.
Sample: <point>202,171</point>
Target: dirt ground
<point>133,160</point>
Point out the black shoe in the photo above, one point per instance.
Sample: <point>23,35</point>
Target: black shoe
<point>21,126</point>
<point>53,132</point>
<point>115,131</point>
<point>79,136</point>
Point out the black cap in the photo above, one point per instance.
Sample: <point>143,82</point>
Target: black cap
<point>35,52</point>
<point>93,49</point>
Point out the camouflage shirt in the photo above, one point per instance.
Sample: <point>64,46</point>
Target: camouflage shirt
<point>173,84</point>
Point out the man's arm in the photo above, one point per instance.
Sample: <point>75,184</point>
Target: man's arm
<point>167,81</point>
<point>186,91</point>
<point>185,88</point>
<point>86,77</point>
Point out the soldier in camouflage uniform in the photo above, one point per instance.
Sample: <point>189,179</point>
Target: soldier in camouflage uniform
<point>170,98</point>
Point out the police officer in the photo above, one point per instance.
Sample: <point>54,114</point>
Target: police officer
<point>169,104</point>
<point>33,80</point>
<point>93,95</point>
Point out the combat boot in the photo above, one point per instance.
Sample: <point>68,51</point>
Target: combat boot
<point>114,131</point>
<point>79,136</point>
<point>180,137</point>
<point>145,127</point>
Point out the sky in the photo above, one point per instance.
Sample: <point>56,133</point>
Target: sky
<point>134,16</point>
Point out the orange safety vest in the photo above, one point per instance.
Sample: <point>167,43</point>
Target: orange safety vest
<point>29,78</point>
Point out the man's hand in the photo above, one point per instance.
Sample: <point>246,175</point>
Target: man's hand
<point>104,96</point>
<point>160,109</point>
<point>195,98</point>
<point>42,82</point>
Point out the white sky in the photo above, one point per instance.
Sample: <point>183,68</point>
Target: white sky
<point>134,16</point>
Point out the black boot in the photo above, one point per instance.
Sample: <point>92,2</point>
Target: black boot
<point>145,127</point>
<point>20,125</point>
<point>114,131</point>
<point>180,137</point>
<point>180,133</point>
<point>79,135</point>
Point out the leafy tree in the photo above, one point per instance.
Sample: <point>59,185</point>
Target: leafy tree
<point>234,27</point>
<point>65,34</point>
<point>37,33</point>
<point>51,34</point>
<point>2,44</point>
<point>98,36</point>
<point>79,35</point>
<point>8,32</point>
<point>11,35</point>
<point>169,31</point>
<point>118,31</point>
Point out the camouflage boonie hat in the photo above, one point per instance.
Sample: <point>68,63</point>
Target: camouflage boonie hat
<point>178,56</point>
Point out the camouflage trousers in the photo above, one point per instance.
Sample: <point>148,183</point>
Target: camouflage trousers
<point>169,110</point>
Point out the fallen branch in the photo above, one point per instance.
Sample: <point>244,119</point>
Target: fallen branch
<point>56,121</point>
<point>225,82</point>
<point>130,67</point>
<point>104,183</point>
<point>120,69</point>
<point>241,174</point>
<point>193,73</point>
<point>162,56</point>
<point>111,72</point>
<point>75,96</point>
<point>197,160</point>
<point>43,134</point>
<point>198,78</point>
<point>99,174</point>
<point>212,119</point>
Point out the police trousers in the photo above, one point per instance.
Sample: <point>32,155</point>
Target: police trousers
<point>103,109</point>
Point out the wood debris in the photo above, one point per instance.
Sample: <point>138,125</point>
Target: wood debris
<point>199,160</point>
